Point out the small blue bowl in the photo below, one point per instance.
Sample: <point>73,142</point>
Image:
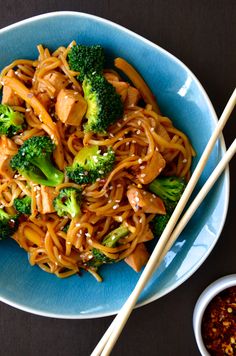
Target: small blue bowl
<point>183,99</point>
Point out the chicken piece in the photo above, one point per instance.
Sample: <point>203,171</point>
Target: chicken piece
<point>133,96</point>
<point>110,76</point>
<point>44,100</point>
<point>56,79</point>
<point>121,88</point>
<point>8,95</point>
<point>7,149</point>
<point>44,199</point>
<point>151,170</point>
<point>70,107</point>
<point>144,201</point>
<point>146,236</point>
<point>138,258</point>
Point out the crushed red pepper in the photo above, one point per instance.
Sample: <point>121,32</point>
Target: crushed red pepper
<point>219,324</point>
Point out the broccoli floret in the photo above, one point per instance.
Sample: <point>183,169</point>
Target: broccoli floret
<point>23,205</point>
<point>168,188</point>
<point>33,161</point>
<point>89,165</point>
<point>109,240</point>
<point>11,122</point>
<point>8,224</point>
<point>104,104</point>
<point>68,201</point>
<point>159,223</point>
<point>86,59</point>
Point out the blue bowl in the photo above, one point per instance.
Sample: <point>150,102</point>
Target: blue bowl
<point>182,98</point>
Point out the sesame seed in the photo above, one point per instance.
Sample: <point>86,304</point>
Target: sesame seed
<point>111,134</point>
<point>66,96</point>
<point>88,234</point>
<point>157,149</point>
<point>138,132</point>
<point>119,185</point>
<point>120,218</point>
<point>136,199</point>
<point>118,124</point>
<point>117,200</point>
<point>77,225</point>
<point>105,154</point>
<point>153,195</point>
<point>98,179</point>
<point>142,175</point>
<point>139,122</point>
<point>109,201</point>
<point>100,172</point>
<point>111,187</point>
<point>184,160</point>
<point>80,231</point>
<point>133,141</point>
<point>28,109</point>
<point>142,167</point>
<point>106,195</point>
<point>160,169</point>
<point>127,144</point>
<point>68,242</point>
<point>140,160</point>
<point>120,139</point>
<point>152,129</point>
<point>116,206</point>
<point>59,256</point>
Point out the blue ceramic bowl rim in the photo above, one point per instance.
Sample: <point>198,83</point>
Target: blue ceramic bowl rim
<point>222,143</point>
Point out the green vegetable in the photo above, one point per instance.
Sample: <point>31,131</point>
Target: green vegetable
<point>8,224</point>
<point>33,161</point>
<point>86,59</point>
<point>68,201</point>
<point>23,205</point>
<point>109,240</point>
<point>169,189</point>
<point>89,165</point>
<point>104,104</point>
<point>159,223</point>
<point>11,122</point>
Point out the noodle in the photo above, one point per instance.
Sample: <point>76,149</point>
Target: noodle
<point>145,143</point>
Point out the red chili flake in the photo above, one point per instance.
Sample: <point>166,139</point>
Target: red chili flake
<point>219,324</point>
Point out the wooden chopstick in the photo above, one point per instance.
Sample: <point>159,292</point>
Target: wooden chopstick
<point>166,240</point>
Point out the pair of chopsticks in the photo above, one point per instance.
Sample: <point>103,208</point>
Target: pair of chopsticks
<point>171,233</point>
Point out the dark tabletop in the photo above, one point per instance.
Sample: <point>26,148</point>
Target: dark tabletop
<point>202,34</point>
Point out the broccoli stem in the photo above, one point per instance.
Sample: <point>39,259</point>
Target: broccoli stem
<point>113,237</point>
<point>51,173</point>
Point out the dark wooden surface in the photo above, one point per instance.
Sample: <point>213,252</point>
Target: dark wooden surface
<point>202,34</point>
